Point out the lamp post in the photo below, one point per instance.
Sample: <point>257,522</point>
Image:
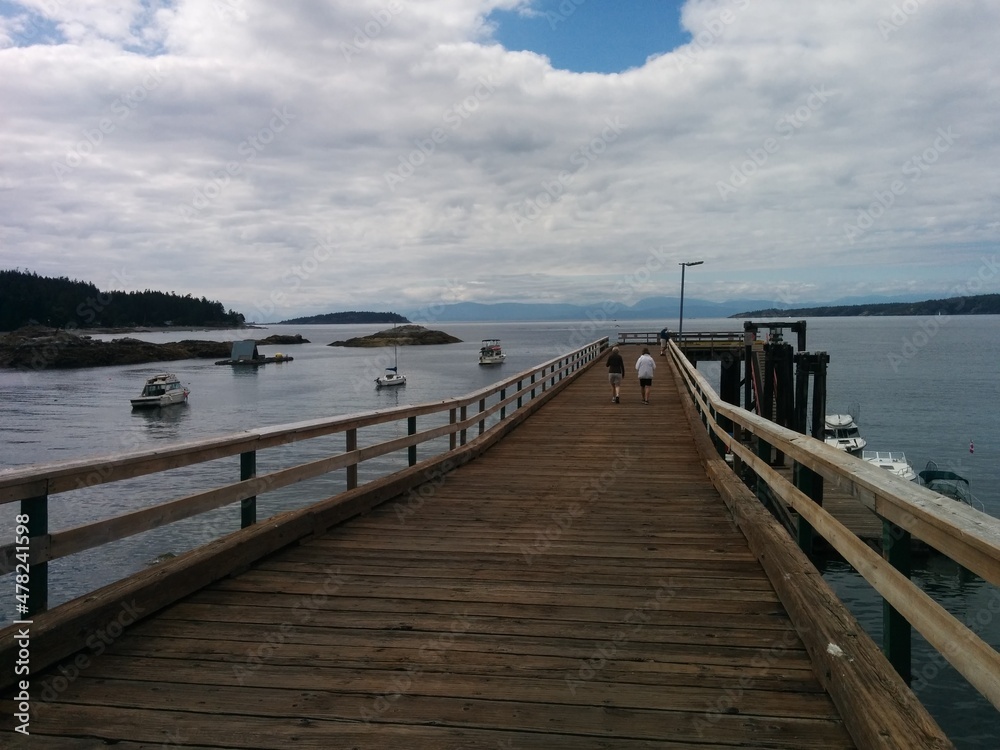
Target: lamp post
<point>680,323</point>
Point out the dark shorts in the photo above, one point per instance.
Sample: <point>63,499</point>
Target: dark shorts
<point>645,381</point>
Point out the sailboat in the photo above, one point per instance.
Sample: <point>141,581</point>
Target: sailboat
<point>391,376</point>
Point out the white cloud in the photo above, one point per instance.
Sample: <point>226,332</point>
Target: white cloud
<point>318,156</point>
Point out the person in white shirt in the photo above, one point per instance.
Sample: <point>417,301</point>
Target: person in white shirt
<point>645,366</point>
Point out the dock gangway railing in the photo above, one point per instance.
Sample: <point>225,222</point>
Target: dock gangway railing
<point>450,433</point>
<point>963,533</point>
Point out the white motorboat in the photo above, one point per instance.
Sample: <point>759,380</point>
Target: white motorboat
<point>892,461</point>
<point>163,389</point>
<point>842,432</point>
<point>490,353</point>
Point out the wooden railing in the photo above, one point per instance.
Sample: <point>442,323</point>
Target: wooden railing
<point>480,412</point>
<point>689,338</point>
<point>966,535</point>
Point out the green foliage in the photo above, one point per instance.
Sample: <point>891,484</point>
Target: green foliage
<point>980,304</point>
<point>29,299</point>
<point>352,317</point>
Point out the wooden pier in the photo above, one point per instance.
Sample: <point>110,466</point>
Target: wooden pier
<point>592,580</point>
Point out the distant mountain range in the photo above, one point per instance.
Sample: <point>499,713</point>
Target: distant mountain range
<point>666,309</point>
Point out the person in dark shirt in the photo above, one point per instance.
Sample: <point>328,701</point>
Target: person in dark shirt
<point>664,338</point>
<point>616,371</point>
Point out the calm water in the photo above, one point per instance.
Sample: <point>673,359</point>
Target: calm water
<point>924,386</point>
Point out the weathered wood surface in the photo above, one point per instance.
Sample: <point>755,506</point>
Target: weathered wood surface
<point>579,586</point>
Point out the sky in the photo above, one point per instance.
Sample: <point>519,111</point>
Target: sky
<point>313,156</point>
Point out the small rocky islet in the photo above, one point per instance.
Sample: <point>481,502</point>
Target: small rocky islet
<point>406,335</point>
<point>39,348</point>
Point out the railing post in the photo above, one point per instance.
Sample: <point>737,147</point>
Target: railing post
<point>248,470</point>
<point>532,383</point>
<point>896,634</point>
<point>351,437</point>
<point>452,439</point>
<point>503,409</point>
<point>411,429</point>
<point>520,396</point>
<point>464,414</point>
<point>482,422</point>
<point>35,514</point>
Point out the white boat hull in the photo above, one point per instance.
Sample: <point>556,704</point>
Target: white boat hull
<point>390,381</point>
<point>159,391</point>
<point>892,461</point>
<point>842,433</point>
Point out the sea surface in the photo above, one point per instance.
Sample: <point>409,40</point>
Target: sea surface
<point>925,386</point>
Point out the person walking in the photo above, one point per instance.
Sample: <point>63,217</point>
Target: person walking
<point>645,366</point>
<point>616,371</point>
<point>664,338</point>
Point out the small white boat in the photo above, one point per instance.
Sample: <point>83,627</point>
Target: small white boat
<point>892,461</point>
<point>390,377</point>
<point>490,353</point>
<point>163,389</point>
<point>842,432</point>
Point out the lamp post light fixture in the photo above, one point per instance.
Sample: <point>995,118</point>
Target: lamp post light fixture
<point>680,323</point>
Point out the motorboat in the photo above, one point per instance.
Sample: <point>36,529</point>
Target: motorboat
<point>947,483</point>
<point>892,461</point>
<point>163,389</point>
<point>390,377</point>
<point>490,353</point>
<point>841,431</point>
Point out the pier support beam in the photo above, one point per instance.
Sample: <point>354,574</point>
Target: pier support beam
<point>896,631</point>
<point>805,478</point>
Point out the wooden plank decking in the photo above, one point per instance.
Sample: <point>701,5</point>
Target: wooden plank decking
<point>579,586</point>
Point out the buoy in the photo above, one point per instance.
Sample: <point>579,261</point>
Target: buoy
<point>972,448</point>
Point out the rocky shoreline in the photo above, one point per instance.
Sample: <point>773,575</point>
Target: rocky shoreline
<point>408,335</point>
<point>40,348</point>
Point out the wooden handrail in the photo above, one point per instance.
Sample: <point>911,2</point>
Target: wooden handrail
<point>965,534</point>
<point>30,483</point>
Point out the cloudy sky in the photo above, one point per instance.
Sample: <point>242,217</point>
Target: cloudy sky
<point>312,156</point>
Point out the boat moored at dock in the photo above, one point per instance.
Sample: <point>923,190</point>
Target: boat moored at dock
<point>892,461</point>
<point>841,431</point>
